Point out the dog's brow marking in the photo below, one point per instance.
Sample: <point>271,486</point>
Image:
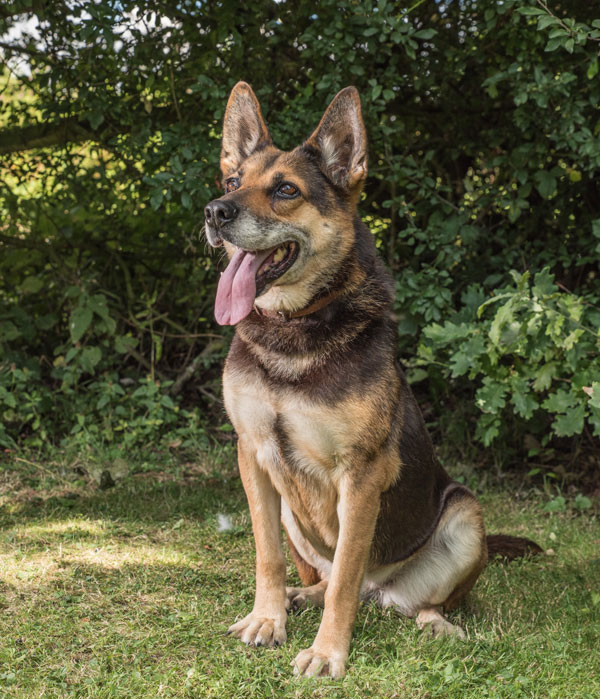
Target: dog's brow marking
<point>271,160</point>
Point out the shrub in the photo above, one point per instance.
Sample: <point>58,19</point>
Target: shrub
<point>483,197</point>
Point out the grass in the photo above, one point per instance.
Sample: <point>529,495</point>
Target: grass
<point>128,592</point>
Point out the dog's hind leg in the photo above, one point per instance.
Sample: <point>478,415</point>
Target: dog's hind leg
<point>309,575</point>
<point>433,618</point>
<point>299,596</point>
<point>441,573</point>
<point>314,587</point>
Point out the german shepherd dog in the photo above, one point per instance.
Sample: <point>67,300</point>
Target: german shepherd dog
<point>330,439</point>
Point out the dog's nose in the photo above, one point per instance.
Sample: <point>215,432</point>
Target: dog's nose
<point>219,213</point>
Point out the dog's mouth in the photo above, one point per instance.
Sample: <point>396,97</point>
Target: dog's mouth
<point>248,275</point>
<point>276,265</point>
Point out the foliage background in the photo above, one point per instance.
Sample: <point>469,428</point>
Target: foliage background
<point>483,196</point>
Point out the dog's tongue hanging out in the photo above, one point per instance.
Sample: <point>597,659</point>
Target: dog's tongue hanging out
<point>237,286</point>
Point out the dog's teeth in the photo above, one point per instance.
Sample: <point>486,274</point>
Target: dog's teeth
<point>278,256</point>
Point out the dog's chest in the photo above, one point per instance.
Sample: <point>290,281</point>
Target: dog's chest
<point>301,445</point>
<point>286,431</point>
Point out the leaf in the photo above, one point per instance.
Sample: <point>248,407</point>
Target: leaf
<point>553,44</point>
<point>95,118</point>
<point>545,183</point>
<point>559,402</point>
<point>46,322</point>
<point>79,322</point>
<point>531,11</point>
<point>7,398</point>
<point>546,21</point>
<point>90,356</point>
<point>425,34</point>
<point>167,402</point>
<point>71,353</point>
<point>504,315</point>
<point>156,200</point>
<point>570,423</point>
<point>543,283</point>
<point>592,70</point>
<point>557,504</point>
<point>494,299</point>
<point>488,428</point>
<point>581,502</point>
<point>524,401</point>
<point>31,285</point>
<point>416,375</point>
<point>97,303</point>
<point>460,363</point>
<point>593,392</point>
<point>125,343</point>
<point>443,334</point>
<point>102,401</point>
<point>490,397</point>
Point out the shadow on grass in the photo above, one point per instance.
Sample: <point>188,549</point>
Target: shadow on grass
<point>137,499</point>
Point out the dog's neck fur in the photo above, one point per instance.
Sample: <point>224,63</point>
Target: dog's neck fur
<point>292,349</point>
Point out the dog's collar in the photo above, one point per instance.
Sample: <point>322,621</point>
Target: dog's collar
<point>312,308</point>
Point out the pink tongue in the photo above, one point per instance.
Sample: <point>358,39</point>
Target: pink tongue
<point>237,286</point>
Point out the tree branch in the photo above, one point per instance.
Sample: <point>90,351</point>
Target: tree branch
<point>70,130</point>
<point>12,9</point>
<point>44,135</point>
<point>190,370</point>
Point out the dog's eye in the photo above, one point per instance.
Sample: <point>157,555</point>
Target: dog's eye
<point>232,184</point>
<point>287,190</point>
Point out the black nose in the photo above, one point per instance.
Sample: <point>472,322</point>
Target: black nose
<point>218,213</point>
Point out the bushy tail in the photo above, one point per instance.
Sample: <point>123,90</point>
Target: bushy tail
<point>510,547</point>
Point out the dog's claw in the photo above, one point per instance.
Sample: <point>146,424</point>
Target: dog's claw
<point>256,630</point>
<point>311,663</point>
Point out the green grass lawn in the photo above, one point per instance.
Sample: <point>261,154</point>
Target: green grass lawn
<point>128,592</point>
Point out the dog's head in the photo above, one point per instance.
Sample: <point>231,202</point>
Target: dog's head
<point>287,218</point>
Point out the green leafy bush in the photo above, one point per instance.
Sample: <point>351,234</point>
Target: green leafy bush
<point>483,198</point>
<point>532,352</point>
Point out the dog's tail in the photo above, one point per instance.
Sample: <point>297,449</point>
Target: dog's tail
<point>507,548</point>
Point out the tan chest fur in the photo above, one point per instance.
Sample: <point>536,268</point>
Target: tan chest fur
<point>321,443</point>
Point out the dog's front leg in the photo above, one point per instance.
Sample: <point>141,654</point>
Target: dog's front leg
<point>265,625</point>
<point>358,508</point>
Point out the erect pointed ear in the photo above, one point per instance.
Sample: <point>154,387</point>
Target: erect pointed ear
<point>341,140</point>
<point>244,128</point>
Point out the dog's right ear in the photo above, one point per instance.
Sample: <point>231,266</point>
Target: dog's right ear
<point>244,128</point>
<point>340,140</point>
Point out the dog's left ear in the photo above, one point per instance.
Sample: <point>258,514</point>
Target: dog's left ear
<point>341,140</point>
<point>244,128</point>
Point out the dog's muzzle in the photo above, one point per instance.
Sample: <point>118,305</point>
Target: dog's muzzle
<point>217,215</point>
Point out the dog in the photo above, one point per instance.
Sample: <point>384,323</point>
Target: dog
<point>331,442</point>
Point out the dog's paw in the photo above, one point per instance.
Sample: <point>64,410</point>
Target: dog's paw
<point>312,663</point>
<point>256,630</point>
<point>438,625</point>
<point>442,627</point>
<point>297,597</point>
